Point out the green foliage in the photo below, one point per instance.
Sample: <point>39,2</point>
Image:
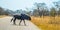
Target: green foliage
<point>59,11</point>
<point>36,12</point>
<point>53,12</point>
<point>3,12</point>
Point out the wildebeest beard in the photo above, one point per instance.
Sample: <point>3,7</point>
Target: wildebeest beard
<point>20,17</point>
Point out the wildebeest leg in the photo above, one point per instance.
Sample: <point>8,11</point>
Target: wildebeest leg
<point>24,22</point>
<point>20,22</point>
<point>14,21</point>
<point>11,19</point>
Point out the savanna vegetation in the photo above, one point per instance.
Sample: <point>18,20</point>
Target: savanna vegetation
<point>44,17</point>
<point>47,23</point>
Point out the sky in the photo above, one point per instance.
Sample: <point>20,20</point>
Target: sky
<point>23,4</point>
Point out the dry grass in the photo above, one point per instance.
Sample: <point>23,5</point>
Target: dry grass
<point>44,23</point>
<point>2,16</point>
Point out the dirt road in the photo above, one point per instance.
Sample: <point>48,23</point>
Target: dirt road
<point>5,24</point>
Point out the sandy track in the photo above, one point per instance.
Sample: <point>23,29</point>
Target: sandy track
<point>5,24</point>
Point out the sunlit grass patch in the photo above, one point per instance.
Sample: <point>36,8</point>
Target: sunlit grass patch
<point>2,16</point>
<point>43,23</point>
<point>49,27</point>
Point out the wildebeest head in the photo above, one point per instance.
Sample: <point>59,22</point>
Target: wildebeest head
<point>28,18</point>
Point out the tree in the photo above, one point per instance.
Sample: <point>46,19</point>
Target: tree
<point>1,11</point>
<point>59,12</point>
<point>9,12</point>
<point>53,12</point>
<point>57,5</point>
<point>40,8</point>
<point>35,12</point>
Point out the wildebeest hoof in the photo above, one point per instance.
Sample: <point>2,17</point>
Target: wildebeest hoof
<point>25,24</point>
<point>19,24</point>
<point>14,24</point>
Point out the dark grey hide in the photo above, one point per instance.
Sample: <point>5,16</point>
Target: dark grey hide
<point>21,17</point>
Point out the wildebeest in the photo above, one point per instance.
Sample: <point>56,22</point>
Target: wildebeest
<point>21,17</point>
